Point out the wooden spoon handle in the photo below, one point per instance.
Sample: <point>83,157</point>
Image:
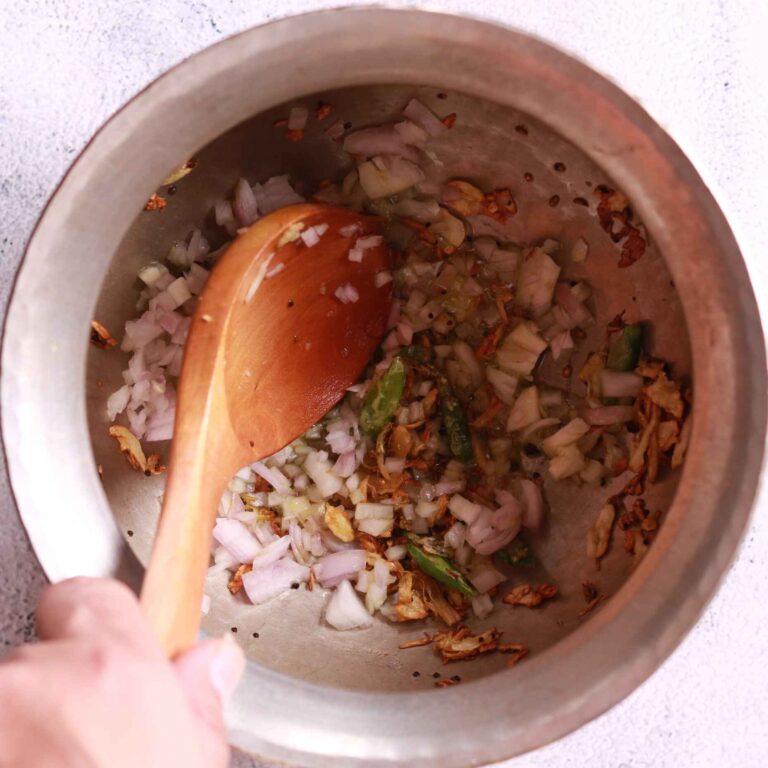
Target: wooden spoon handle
<point>172,592</point>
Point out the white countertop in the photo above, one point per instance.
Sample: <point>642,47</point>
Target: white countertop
<point>700,68</point>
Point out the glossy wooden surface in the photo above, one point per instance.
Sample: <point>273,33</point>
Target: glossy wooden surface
<point>265,359</point>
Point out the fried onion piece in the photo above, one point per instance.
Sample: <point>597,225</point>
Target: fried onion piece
<point>667,434</point>
<point>530,596</point>
<point>682,444</point>
<point>236,582</point>
<point>599,534</point>
<point>155,203</point>
<point>468,198</point>
<point>666,394</point>
<point>410,606</point>
<point>426,640</point>
<point>434,599</point>
<point>519,652</point>
<point>649,369</point>
<point>101,337</point>
<point>179,173</point>
<point>131,447</point>
<point>643,440</point>
<point>337,520</point>
<point>459,644</point>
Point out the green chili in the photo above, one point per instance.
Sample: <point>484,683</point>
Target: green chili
<point>438,567</point>
<point>454,418</point>
<point>517,552</point>
<point>381,403</point>
<point>624,352</point>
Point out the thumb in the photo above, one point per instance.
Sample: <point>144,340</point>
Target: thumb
<point>209,674</point>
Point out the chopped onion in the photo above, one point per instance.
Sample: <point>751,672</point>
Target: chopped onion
<point>463,509</point>
<point>381,140</point>
<point>345,610</point>
<point>410,133</point>
<point>263,584</point>
<point>608,414</point>
<point>424,117</point>
<point>273,552</point>
<point>273,476</point>
<point>568,435</point>
<point>484,576</point>
<point>297,118</point>
<point>387,175</point>
<point>620,383</point>
<point>244,204</point>
<point>331,569</point>
<point>317,466</point>
<point>533,505</point>
<point>482,606</point>
<point>536,281</point>
<point>236,539</point>
<point>525,410</point>
<point>347,293</point>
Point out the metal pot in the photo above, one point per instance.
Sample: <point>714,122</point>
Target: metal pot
<point>312,696</point>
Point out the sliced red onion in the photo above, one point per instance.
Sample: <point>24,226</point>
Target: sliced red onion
<point>273,476</point>
<point>608,415</point>
<point>620,384</point>
<point>331,569</point>
<point>236,539</point>
<point>424,117</point>
<point>273,552</point>
<point>263,584</point>
<point>381,140</point>
<point>345,610</point>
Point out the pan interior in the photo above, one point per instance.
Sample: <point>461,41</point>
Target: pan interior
<point>493,146</point>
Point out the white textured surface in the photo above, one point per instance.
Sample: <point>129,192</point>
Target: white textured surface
<point>699,68</point>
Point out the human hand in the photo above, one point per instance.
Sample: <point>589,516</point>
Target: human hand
<point>98,692</point>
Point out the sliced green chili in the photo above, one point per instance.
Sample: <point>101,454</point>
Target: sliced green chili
<point>454,418</point>
<point>438,567</point>
<point>517,552</point>
<point>624,352</point>
<point>381,403</point>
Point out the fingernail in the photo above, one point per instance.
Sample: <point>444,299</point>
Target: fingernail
<point>227,667</point>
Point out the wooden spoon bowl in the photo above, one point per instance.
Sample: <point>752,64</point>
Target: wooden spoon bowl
<point>271,349</point>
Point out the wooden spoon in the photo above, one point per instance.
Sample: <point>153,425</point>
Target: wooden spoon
<point>270,351</point>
